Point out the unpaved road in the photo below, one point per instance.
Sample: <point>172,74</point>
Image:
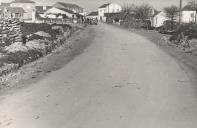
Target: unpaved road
<point>121,80</point>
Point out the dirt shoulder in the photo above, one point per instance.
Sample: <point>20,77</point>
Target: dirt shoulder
<point>35,71</point>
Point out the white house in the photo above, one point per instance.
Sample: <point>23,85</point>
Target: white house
<point>28,5</point>
<point>53,12</point>
<point>188,16</point>
<point>13,12</point>
<point>159,19</point>
<point>108,8</point>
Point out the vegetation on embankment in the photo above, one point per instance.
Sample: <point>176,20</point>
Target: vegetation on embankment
<point>185,38</point>
<point>16,54</point>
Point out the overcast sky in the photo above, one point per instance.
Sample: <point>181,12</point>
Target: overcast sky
<point>94,4</point>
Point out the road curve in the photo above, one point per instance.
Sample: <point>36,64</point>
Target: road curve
<point>122,80</point>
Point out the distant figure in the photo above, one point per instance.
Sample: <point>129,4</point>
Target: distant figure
<point>82,19</point>
<point>88,20</point>
<point>24,38</point>
<point>96,21</point>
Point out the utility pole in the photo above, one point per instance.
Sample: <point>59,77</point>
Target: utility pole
<point>195,11</point>
<point>180,9</point>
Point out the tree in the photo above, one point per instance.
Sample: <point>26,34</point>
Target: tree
<point>191,5</point>
<point>172,13</point>
<point>128,11</point>
<point>143,12</point>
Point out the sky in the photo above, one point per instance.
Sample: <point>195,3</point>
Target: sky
<point>91,5</point>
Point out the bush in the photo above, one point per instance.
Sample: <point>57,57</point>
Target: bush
<point>188,30</point>
<point>12,61</point>
<point>7,68</point>
<point>21,57</point>
<point>6,41</point>
<point>30,28</point>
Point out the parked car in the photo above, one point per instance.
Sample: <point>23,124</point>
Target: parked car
<point>91,21</point>
<point>94,22</point>
<point>166,27</point>
<point>147,25</point>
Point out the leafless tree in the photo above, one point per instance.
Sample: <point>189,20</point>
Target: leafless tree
<point>143,12</point>
<point>172,13</point>
<point>128,10</point>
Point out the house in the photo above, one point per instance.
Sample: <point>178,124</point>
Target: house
<point>55,12</point>
<point>93,15</point>
<point>188,15</point>
<point>158,19</point>
<point>72,7</point>
<point>108,8</point>
<point>13,12</point>
<point>28,5</point>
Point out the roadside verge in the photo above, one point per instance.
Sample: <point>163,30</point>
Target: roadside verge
<point>35,71</point>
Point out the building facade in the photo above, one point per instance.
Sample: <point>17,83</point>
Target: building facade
<point>28,5</point>
<point>108,8</point>
<point>8,12</point>
<point>159,19</point>
<point>188,16</point>
<point>14,12</point>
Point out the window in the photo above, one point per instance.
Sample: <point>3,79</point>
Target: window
<point>192,15</point>
<point>44,8</point>
<point>28,7</point>
<point>17,15</point>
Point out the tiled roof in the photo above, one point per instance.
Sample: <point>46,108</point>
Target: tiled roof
<point>93,14</point>
<point>104,5</point>
<point>15,10</point>
<point>22,1</point>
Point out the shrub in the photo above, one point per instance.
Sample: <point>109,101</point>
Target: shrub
<point>12,61</point>
<point>188,30</point>
<point>30,28</point>
<point>21,57</point>
<point>7,68</point>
